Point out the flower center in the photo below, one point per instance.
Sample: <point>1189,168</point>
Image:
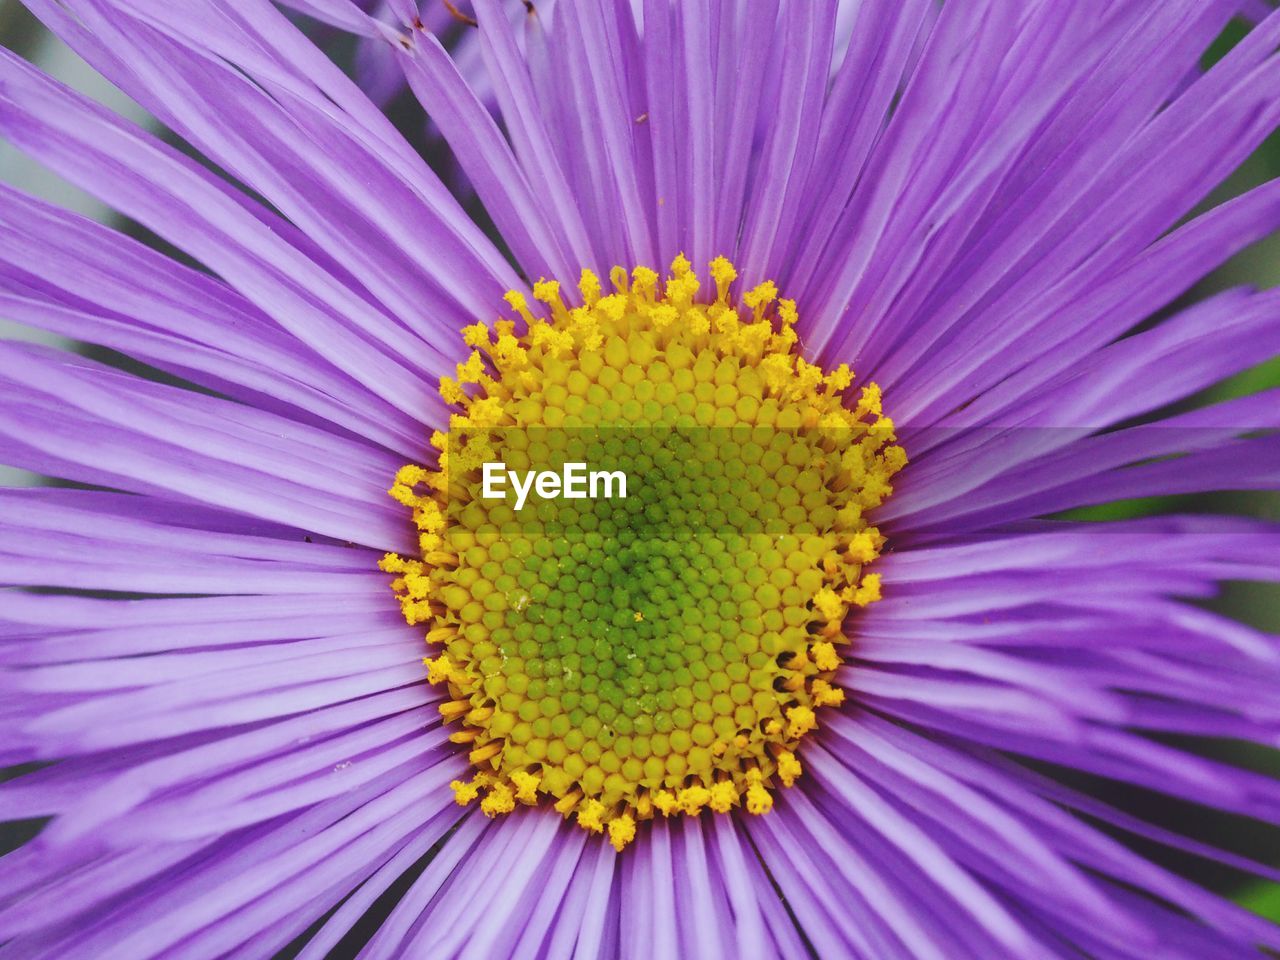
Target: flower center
<point>663,652</point>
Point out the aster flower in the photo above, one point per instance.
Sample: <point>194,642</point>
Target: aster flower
<point>938,242</point>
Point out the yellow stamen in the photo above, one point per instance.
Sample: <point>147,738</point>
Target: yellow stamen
<point>622,830</point>
<point>518,622</point>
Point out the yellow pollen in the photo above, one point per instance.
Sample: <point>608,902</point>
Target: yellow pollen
<point>800,720</point>
<point>664,654</point>
<point>692,799</point>
<point>825,657</point>
<point>788,768</point>
<point>723,796</point>
<point>665,802</point>
<point>825,695</point>
<point>465,793</point>
<point>759,800</point>
<point>622,830</point>
<point>591,815</point>
<point>526,786</point>
<point>500,799</point>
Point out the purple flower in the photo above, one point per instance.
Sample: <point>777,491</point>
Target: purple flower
<point>226,734</point>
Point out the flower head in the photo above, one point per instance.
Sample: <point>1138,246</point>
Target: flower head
<point>832,708</point>
<point>746,545</point>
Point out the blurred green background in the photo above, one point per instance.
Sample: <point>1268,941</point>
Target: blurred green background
<point>1255,603</point>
